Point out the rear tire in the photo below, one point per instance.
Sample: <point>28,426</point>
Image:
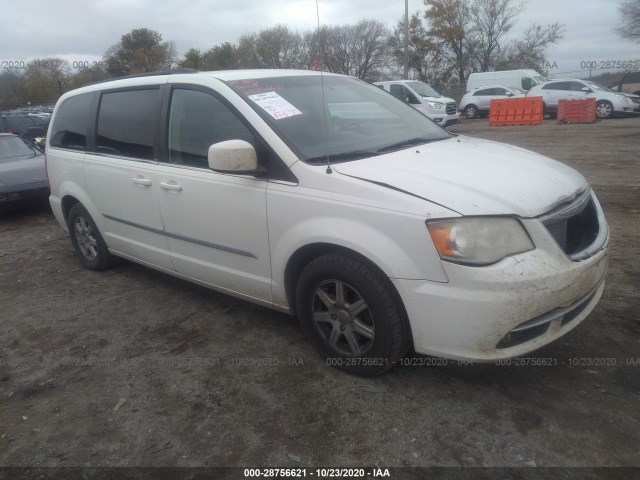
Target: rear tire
<point>471,111</point>
<point>87,240</point>
<point>350,314</point>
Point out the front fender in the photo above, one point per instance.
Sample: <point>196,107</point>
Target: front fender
<point>399,245</point>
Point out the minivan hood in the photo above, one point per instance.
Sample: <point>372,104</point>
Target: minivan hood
<point>473,176</point>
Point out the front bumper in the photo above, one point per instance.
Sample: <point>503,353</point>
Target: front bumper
<point>507,309</point>
<point>444,120</point>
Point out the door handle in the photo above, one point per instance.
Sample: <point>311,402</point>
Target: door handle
<point>171,186</point>
<point>142,181</point>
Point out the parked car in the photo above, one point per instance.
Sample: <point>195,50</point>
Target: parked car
<point>22,173</point>
<point>608,102</point>
<point>23,125</point>
<point>630,83</point>
<point>383,234</point>
<point>477,102</point>
<point>422,97</point>
<point>521,79</point>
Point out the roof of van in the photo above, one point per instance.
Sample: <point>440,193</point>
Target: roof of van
<point>527,70</point>
<point>158,78</point>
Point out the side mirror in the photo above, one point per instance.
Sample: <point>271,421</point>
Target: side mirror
<point>509,94</point>
<point>234,156</point>
<point>586,89</point>
<point>407,100</point>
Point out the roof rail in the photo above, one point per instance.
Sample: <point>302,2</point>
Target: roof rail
<point>170,71</point>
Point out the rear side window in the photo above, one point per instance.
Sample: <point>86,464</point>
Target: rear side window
<point>69,129</point>
<point>126,122</point>
<point>556,86</point>
<point>482,92</point>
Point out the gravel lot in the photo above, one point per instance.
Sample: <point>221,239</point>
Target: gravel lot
<point>131,367</point>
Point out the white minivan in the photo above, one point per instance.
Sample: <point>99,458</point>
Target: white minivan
<point>440,109</point>
<point>324,197</point>
<point>521,79</point>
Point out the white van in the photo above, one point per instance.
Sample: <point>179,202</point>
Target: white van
<point>524,79</point>
<point>324,197</point>
<point>442,110</point>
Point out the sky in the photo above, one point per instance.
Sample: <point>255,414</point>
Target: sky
<point>82,30</point>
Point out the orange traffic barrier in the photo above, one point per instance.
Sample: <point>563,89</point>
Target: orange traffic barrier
<point>516,111</point>
<point>577,111</point>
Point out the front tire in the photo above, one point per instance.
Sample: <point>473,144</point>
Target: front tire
<point>604,109</point>
<point>87,241</point>
<point>350,314</point>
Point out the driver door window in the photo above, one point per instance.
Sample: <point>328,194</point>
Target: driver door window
<point>402,93</point>
<point>197,120</point>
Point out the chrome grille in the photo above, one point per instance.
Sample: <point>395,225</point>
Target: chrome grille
<point>451,108</point>
<point>579,227</point>
<point>635,99</point>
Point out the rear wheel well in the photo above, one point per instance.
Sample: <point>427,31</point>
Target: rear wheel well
<point>67,203</point>
<point>305,255</point>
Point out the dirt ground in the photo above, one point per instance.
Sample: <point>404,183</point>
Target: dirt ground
<point>131,367</point>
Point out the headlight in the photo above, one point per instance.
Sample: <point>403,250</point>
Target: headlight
<point>479,241</point>
<point>623,98</point>
<point>436,105</point>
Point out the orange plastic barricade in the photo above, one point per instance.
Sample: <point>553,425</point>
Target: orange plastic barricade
<point>516,111</point>
<point>577,111</point>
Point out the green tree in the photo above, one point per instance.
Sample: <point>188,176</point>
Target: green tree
<point>276,47</point>
<point>425,55</point>
<point>45,80</point>
<point>193,59</point>
<point>221,57</point>
<point>87,75</point>
<point>450,24</point>
<point>141,50</point>
<point>10,92</point>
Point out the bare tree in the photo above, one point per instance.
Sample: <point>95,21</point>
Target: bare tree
<point>359,50</point>
<point>529,51</point>
<point>492,20</point>
<point>630,12</point>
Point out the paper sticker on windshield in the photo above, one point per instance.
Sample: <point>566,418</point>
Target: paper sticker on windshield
<point>275,105</point>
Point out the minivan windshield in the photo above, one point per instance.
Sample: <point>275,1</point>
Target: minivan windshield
<point>423,89</point>
<point>360,120</point>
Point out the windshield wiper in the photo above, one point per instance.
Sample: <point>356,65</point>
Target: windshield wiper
<point>342,157</point>
<point>408,143</point>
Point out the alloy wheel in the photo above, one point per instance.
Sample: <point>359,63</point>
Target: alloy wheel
<point>343,318</point>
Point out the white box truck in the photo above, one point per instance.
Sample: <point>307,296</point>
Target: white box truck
<point>524,79</point>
